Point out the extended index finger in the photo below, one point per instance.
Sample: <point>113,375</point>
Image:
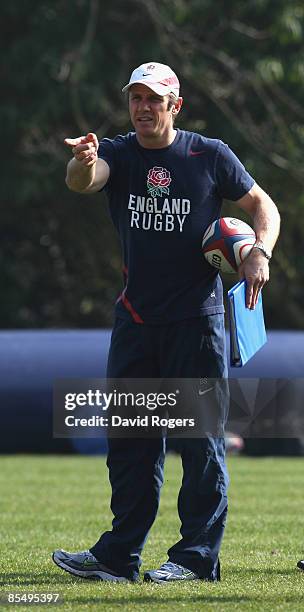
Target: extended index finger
<point>73,142</point>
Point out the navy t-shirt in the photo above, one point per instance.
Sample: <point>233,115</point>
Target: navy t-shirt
<point>161,202</point>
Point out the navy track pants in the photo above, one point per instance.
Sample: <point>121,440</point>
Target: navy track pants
<point>193,348</point>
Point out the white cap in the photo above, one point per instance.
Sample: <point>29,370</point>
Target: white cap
<point>158,77</point>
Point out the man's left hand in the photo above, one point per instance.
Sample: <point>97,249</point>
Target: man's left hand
<point>255,269</point>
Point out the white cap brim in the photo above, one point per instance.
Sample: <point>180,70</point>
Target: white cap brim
<point>158,88</point>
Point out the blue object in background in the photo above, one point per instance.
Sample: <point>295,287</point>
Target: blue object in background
<point>30,361</point>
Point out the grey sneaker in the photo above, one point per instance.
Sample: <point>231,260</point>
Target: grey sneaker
<point>170,572</point>
<point>84,564</point>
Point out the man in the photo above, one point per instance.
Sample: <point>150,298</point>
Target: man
<point>165,186</point>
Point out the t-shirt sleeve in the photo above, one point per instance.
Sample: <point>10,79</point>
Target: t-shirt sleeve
<point>232,179</point>
<point>106,151</point>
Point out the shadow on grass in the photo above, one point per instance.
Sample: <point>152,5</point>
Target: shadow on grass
<point>150,600</point>
<point>254,571</point>
<point>187,599</point>
<point>32,579</point>
<point>50,578</point>
<point>139,594</point>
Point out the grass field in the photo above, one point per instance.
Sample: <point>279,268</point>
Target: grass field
<point>62,502</point>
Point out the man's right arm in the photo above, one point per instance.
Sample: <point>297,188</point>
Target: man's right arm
<point>86,173</point>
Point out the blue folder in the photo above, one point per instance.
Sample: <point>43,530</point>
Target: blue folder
<point>247,327</point>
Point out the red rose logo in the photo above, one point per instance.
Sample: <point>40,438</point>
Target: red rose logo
<point>158,181</point>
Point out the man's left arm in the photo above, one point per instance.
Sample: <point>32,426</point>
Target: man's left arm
<point>266,221</point>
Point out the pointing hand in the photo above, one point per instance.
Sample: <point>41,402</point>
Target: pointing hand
<point>84,148</point>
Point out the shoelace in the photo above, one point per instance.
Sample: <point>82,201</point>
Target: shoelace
<point>88,555</point>
<point>169,565</point>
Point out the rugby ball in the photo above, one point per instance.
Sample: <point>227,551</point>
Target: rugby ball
<point>227,242</point>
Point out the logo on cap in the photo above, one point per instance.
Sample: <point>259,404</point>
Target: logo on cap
<point>151,67</point>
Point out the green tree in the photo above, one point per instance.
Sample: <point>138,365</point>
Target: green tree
<point>241,67</point>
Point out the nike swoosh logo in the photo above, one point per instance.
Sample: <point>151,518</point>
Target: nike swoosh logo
<point>147,74</point>
<point>192,153</point>
<point>87,563</point>
<point>205,391</point>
